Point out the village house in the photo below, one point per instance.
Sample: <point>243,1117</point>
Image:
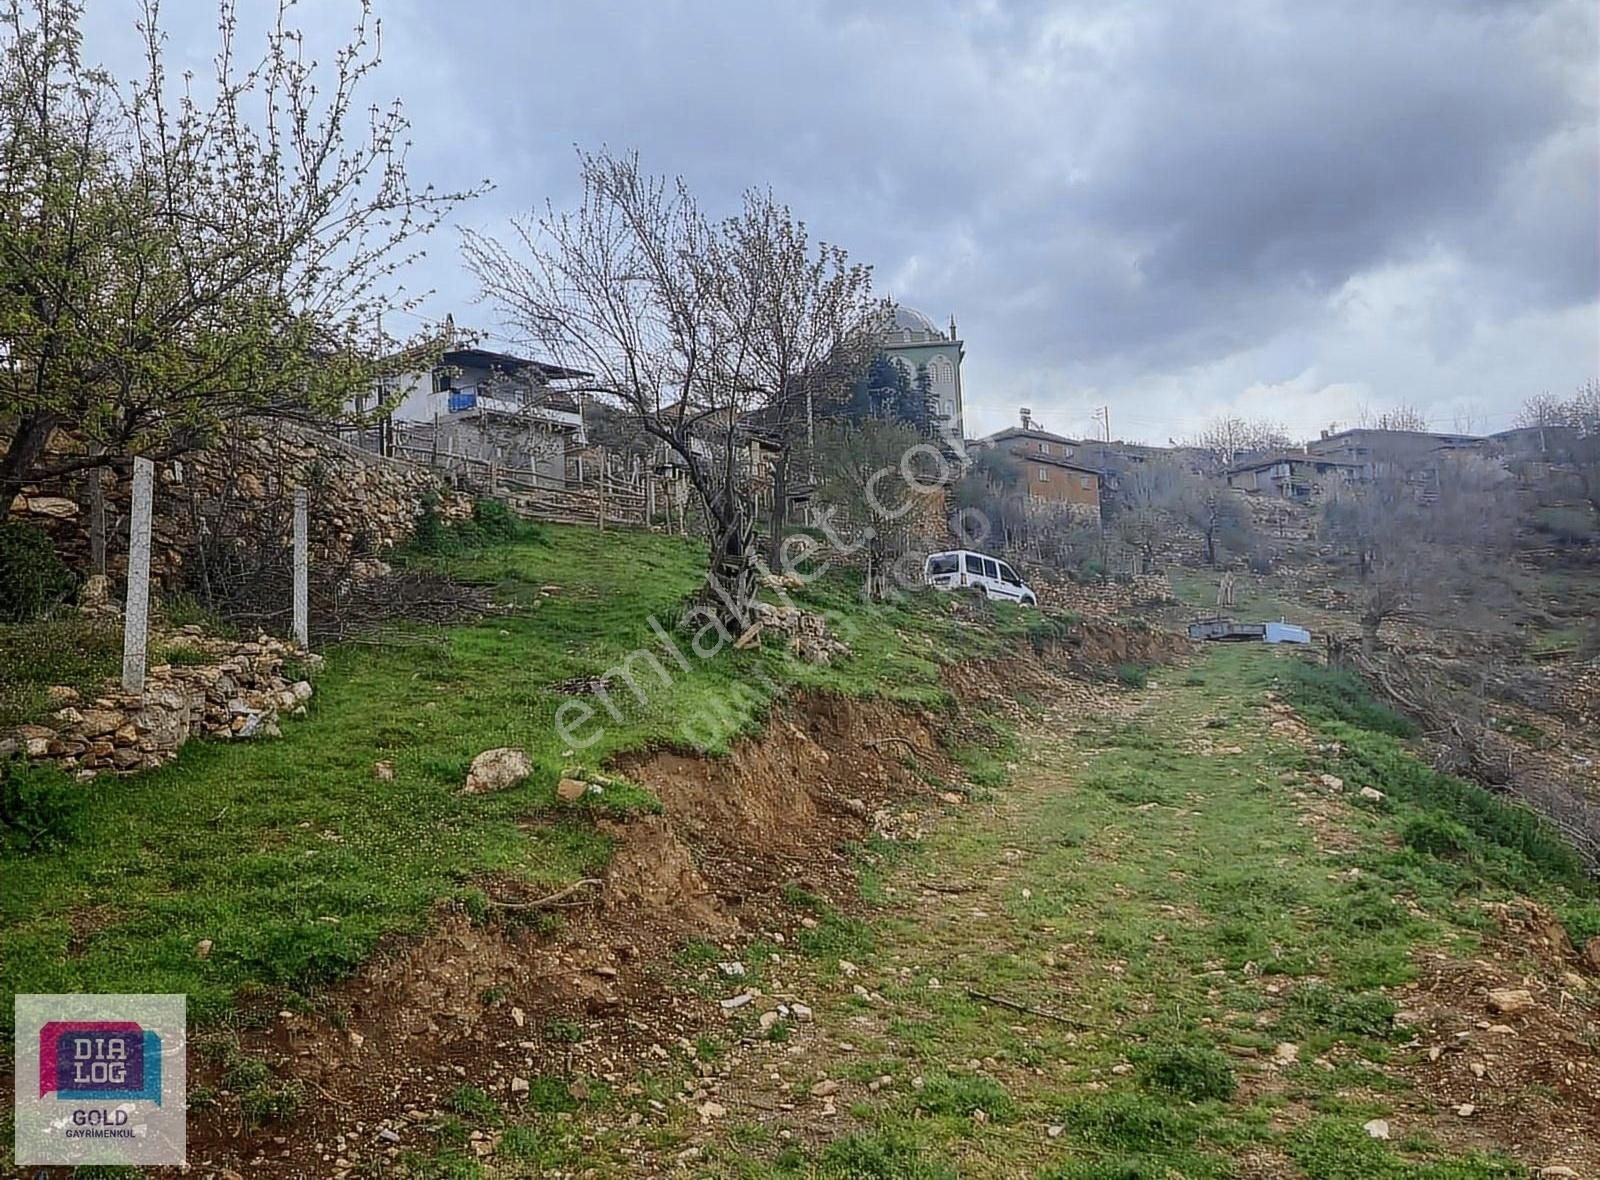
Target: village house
<point>1051,472</point>
<point>477,405</point>
<point>1291,475</point>
<point>1369,448</point>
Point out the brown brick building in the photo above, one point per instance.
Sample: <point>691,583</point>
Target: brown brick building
<point>1051,472</point>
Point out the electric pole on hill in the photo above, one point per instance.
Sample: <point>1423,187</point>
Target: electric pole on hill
<point>1103,416</point>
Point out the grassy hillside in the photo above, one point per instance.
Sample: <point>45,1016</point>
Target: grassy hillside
<point>1225,969</point>
<point>294,859</point>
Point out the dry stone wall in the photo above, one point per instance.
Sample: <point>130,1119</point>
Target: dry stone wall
<point>361,503</point>
<point>222,689</point>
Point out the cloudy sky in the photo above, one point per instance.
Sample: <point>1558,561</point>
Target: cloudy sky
<point>1288,209</point>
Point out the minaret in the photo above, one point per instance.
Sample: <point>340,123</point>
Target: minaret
<point>952,325</point>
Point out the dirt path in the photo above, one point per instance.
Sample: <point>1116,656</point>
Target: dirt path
<point>1168,946</point>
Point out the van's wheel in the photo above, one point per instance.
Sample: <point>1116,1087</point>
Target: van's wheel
<point>1029,600</point>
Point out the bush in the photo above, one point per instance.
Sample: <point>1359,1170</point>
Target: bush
<point>1196,1072</point>
<point>1132,675</point>
<point>32,577</point>
<point>495,522</point>
<point>428,532</point>
<point>1343,696</point>
<point>492,523</point>
<point>40,807</point>
<point>1438,835</point>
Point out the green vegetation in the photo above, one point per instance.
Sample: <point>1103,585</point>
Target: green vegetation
<point>1165,903</point>
<point>1132,675</point>
<point>1460,832</point>
<point>294,859</point>
<point>40,807</point>
<point>67,650</point>
<point>32,577</point>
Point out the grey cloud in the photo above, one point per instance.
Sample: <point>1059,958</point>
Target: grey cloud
<point>1163,205</point>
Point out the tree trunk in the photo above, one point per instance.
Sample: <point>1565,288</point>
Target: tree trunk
<point>780,510</point>
<point>24,454</point>
<point>731,580</point>
<point>97,520</point>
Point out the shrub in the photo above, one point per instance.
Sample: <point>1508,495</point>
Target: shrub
<point>494,521</point>
<point>1196,1072</point>
<point>40,807</point>
<point>32,577</point>
<point>1341,695</point>
<point>1438,835</point>
<point>1132,675</point>
<point>428,532</point>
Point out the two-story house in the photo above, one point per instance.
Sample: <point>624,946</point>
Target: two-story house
<point>1052,471</point>
<point>494,407</point>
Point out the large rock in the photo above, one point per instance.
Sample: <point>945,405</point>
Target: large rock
<point>497,770</point>
<point>57,506</point>
<point>1591,953</point>
<point>1510,1000</point>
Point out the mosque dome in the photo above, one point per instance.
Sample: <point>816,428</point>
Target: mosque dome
<point>910,319</point>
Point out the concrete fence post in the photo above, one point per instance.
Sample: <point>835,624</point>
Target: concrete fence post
<point>136,617</point>
<point>302,610</point>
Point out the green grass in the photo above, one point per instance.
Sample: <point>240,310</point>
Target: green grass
<point>67,650</point>
<point>1168,905</point>
<point>295,860</point>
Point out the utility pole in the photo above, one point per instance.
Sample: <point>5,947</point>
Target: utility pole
<point>1103,416</point>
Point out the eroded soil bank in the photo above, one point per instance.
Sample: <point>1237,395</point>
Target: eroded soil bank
<point>516,998</point>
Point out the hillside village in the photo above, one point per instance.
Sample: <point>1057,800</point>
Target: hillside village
<point>652,729</point>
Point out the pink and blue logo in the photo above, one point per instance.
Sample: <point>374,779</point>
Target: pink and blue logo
<point>99,1060</point>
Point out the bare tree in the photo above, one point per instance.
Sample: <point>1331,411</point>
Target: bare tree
<point>1223,441</point>
<point>1401,418</point>
<point>1424,548</point>
<point>813,328</point>
<point>681,323</point>
<point>992,500</point>
<point>1144,507</point>
<point>169,263</point>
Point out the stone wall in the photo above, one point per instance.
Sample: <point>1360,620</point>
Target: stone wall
<point>361,503</point>
<point>222,689</point>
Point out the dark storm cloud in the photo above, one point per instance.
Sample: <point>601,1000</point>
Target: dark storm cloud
<point>1175,207</point>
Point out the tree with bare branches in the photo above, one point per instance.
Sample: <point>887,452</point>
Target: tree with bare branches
<point>1404,418</point>
<point>813,327</point>
<point>689,326</point>
<point>1423,548</point>
<point>872,473</point>
<point>173,257</point>
<point>1225,440</point>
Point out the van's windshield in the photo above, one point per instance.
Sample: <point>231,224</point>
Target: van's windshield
<point>944,563</point>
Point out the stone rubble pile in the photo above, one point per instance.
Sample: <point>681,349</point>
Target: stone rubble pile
<point>223,689</point>
<point>808,634</point>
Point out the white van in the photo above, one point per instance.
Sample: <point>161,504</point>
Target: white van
<point>962,567</point>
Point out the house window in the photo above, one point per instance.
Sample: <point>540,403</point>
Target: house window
<point>1044,475</point>
<point>1086,482</point>
<point>949,409</point>
<point>441,380</point>
<point>941,371</point>
<point>1044,448</point>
